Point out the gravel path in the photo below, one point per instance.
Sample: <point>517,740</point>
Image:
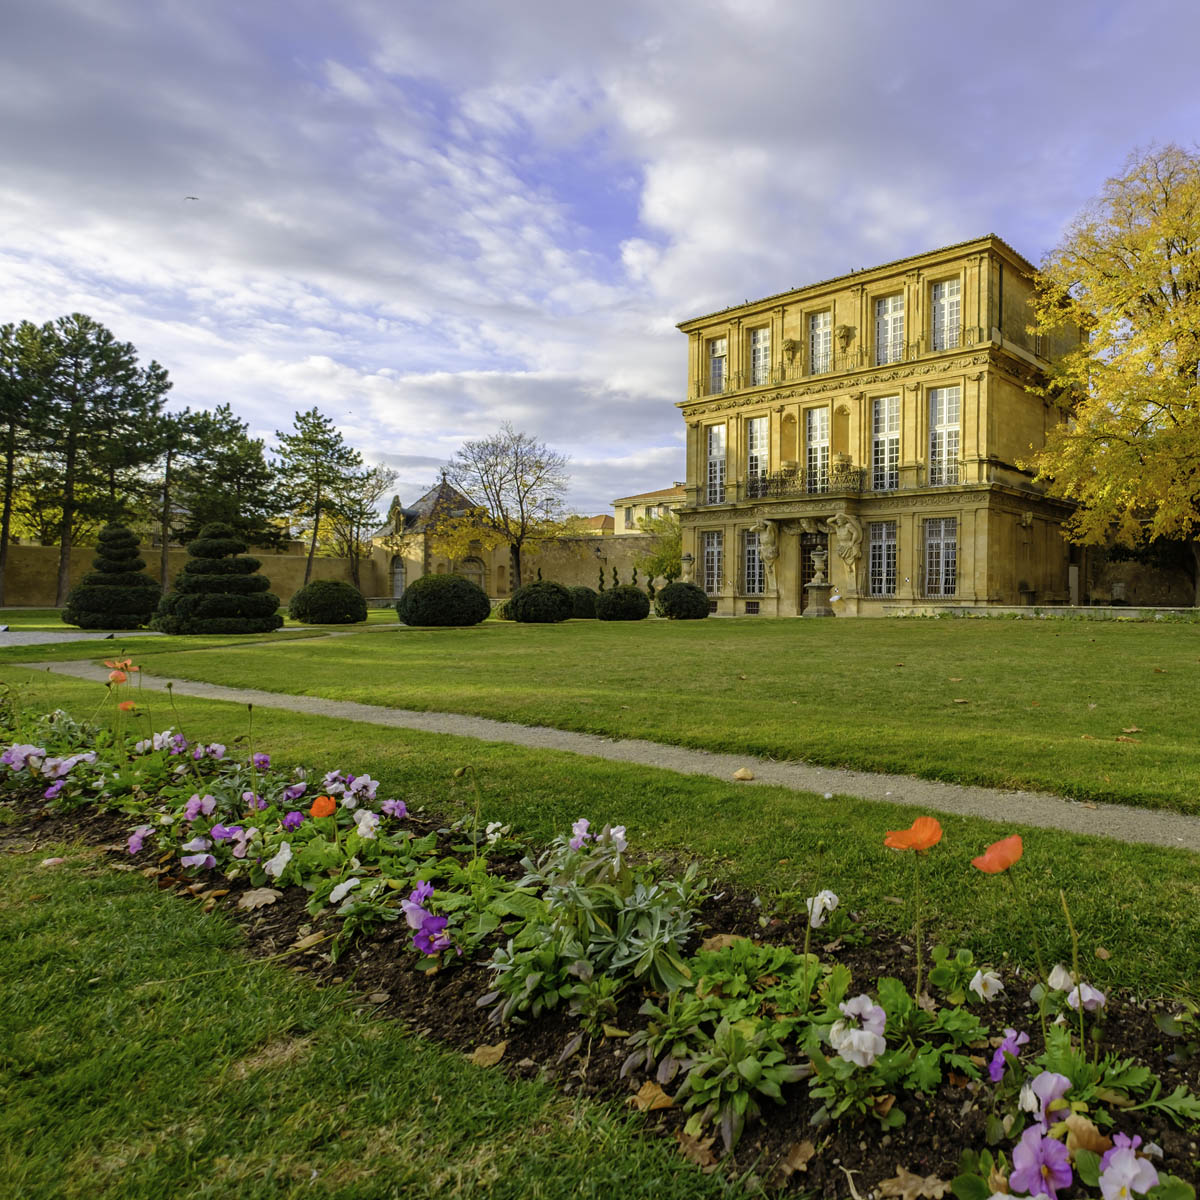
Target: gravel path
<point>1025,808</point>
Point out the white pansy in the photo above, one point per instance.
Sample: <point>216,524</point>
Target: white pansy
<point>367,823</point>
<point>987,985</point>
<point>1060,979</point>
<point>1091,998</point>
<point>275,866</point>
<point>820,906</point>
<point>339,893</point>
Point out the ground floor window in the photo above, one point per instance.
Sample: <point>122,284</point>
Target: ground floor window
<point>752,564</point>
<point>397,577</point>
<point>881,558</point>
<point>711,549</point>
<point>941,556</point>
<point>472,569</point>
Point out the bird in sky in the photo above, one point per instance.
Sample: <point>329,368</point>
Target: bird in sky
<point>191,197</point>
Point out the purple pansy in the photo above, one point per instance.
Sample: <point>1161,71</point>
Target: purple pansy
<point>198,805</point>
<point>395,808</point>
<point>1013,1041</point>
<point>261,761</point>
<point>138,838</point>
<point>293,792</point>
<point>224,833</point>
<point>1045,1091</point>
<point>51,793</point>
<point>580,830</point>
<point>207,861</point>
<point>1041,1165</point>
<point>241,840</point>
<point>293,820</point>
<point>432,936</point>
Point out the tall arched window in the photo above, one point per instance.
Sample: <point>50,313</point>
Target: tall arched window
<point>397,577</point>
<point>472,569</point>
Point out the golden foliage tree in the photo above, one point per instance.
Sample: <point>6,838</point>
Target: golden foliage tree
<point>1128,274</point>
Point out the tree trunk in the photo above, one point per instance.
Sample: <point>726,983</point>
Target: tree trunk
<point>1194,546</point>
<point>514,552</point>
<point>10,456</point>
<point>312,546</point>
<point>164,568</point>
<point>66,532</point>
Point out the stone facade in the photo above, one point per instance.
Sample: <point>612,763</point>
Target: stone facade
<point>877,418</point>
<point>630,510</point>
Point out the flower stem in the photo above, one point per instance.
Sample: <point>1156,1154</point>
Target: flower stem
<point>1037,949</point>
<point>917,914</point>
<point>1075,968</point>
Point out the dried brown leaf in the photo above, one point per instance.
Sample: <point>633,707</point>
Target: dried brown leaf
<point>1083,1135</point>
<point>258,897</point>
<point>488,1056</point>
<point>796,1159</point>
<point>697,1150</point>
<point>1086,737</point>
<point>1159,671</point>
<point>907,1186</point>
<point>959,700</point>
<point>1103,954</point>
<point>1133,729</point>
<point>307,943</point>
<point>721,941</point>
<point>1122,738</point>
<point>649,1097</point>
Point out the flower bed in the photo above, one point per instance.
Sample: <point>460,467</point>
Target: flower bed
<point>831,1060</point>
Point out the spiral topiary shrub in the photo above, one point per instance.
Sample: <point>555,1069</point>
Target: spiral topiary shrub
<point>583,602</point>
<point>541,603</point>
<point>682,602</point>
<point>443,600</point>
<point>328,602</point>
<point>622,603</point>
<point>116,593</point>
<point>219,590</point>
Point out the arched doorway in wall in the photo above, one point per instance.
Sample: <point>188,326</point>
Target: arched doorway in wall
<point>472,569</point>
<point>397,577</point>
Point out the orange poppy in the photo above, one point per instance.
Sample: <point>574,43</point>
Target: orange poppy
<point>117,677</point>
<point>127,706</point>
<point>323,806</point>
<point>925,832</point>
<point>999,856</point>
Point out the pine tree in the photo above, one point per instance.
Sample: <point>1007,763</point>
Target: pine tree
<point>219,590</point>
<point>117,593</point>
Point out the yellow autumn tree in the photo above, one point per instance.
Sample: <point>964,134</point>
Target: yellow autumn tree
<point>1128,274</point>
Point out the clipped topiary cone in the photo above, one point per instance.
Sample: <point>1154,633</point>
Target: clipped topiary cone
<point>116,593</point>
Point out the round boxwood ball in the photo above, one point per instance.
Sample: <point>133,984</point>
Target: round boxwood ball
<point>541,603</point>
<point>443,600</point>
<point>583,601</point>
<point>682,602</point>
<point>328,602</point>
<point>623,603</point>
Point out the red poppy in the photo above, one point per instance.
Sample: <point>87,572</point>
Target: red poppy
<point>999,856</point>
<point>925,832</point>
<point>117,677</point>
<point>127,706</point>
<point>323,806</point>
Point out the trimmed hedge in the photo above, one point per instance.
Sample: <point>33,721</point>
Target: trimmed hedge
<point>622,603</point>
<point>583,603</point>
<point>443,600</point>
<point>219,590</point>
<point>116,594</point>
<point>682,602</point>
<point>541,603</point>
<point>328,602</point>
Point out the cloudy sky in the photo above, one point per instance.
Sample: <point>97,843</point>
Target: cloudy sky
<point>430,218</point>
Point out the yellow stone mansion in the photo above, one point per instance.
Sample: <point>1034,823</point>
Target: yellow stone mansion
<point>862,435</point>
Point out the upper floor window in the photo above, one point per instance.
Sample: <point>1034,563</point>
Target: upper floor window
<point>945,314</point>
<point>715,493</point>
<point>943,435</point>
<point>820,342</point>
<point>760,355</point>
<point>816,440</point>
<point>756,450</point>
<point>885,444</point>
<point>889,329</point>
<point>711,554</point>
<point>752,564</point>
<point>716,364</point>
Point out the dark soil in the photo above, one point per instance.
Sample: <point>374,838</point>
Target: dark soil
<point>849,1157</point>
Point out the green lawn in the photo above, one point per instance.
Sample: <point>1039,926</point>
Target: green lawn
<point>1043,702</point>
<point>175,1065</point>
<point>1140,903</point>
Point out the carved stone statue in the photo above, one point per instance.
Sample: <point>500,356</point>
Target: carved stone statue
<point>688,567</point>
<point>768,549</point>
<point>849,539</point>
<point>811,525</point>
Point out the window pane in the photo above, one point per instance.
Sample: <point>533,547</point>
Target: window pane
<point>711,551</point>
<point>885,444</point>
<point>816,424</point>
<point>752,565</point>
<point>945,314</point>
<point>944,405</point>
<point>889,329</point>
<point>760,356</point>
<point>820,342</point>
<point>881,542</point>
<point>716,464</point>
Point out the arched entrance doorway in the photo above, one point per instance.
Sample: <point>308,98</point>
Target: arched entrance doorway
<point>397,577</point>
<point>472,569</point>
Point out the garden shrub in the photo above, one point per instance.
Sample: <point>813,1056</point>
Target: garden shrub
<point>116,593</point>
<point>583,603</point>
<point>622,603</point>
<point>541,603</point>
<point>503,610</point>
<point>328,602</point>
<point>443,600</point>
<point>682,602</point>
<point>219,590</point>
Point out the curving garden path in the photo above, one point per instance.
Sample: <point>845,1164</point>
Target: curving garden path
<point>1120,822</point>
